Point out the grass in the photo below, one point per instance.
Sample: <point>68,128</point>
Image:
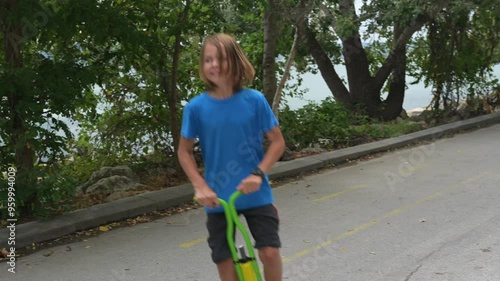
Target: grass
<point>378,131</point>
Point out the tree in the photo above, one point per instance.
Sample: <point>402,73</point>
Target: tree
<point>50,67</point>
<point>462,42</point>
<point>41,81</point>
<point>271,30</point>
<point>363,91</point>
<point>292,14</point>
<point>17,149</point>
<point>149,79</point>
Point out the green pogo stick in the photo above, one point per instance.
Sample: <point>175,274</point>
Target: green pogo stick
<point>246,267</point>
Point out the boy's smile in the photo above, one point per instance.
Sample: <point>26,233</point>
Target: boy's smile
<point>215,66</point>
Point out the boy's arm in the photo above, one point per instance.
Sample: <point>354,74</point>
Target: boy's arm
<point>203,193</point>
<point>274,151</point>
<point>253,182</point>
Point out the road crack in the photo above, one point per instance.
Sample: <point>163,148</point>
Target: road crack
<point>408,277</point>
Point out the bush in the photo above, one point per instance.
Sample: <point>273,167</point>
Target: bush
<point>339,127</point>
<point>305,127</point>
<point>50,190</point>
<point>378,131</point>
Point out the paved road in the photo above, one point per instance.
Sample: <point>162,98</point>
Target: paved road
<point>426,213</point>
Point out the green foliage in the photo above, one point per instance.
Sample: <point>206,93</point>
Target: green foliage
<point>463,42</point>
<point>378,131</point>
<point>305,126</point>
<point>337,127</point>
<point>136,116</point>
<point>54,190</point>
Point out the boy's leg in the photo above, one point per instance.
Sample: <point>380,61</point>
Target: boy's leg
<point>273,266</point>
<point>227,271</point>
<point>221,255</point>
<point>263,223</point>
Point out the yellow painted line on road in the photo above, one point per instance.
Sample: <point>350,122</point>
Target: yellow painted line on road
<point>340,193</point>
<point>421,166</point>
<point>195,242</point>
<point>377,220</point>
<point>192,243</point>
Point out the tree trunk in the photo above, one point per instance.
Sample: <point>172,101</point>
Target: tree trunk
<point>269,60</point>
<point>172,98</point>
<point>393,105</point>
<point>386,69</point>
<point>325,66</point>
<point>169,86</point>
<point>356,61</point>
<point>436,39</point>
<point>12,44</point>
<point>364,90</point>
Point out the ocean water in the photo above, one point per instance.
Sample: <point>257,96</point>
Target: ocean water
<point>415,95</point>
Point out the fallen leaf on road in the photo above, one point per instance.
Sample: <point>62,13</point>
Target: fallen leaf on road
<point>307,241</point>
<point>68,249</point>
<point>373,253</point>
<point>48,254</point>
<point>103,228</point>
<point>4,253</point>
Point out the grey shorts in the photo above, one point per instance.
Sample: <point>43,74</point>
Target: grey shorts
<point>263,223</point>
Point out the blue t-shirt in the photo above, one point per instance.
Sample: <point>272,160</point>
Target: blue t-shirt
<point>230,132</point>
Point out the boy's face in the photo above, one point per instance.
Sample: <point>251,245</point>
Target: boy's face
<point>215,66</point>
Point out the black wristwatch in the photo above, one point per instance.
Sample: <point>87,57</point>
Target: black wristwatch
<point>258,172</point>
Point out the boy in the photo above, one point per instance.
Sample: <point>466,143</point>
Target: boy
<point>230,122</point>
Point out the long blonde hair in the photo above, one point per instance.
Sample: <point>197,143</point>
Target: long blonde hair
<point>238,66</point>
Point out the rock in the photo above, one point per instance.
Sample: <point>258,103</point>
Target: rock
<point>403,114</point>
<point>287,155</point>
<point>423,124</point>
<point>415,112</point>
<point>113,184</point>
<point>106,172</point>
<point>432,123</point>
<point>313,150</point>
<point>118,195</point>
<point>325,142</point>
<point>80,190</point>
<point>399,120</point>
<point>171,172</point>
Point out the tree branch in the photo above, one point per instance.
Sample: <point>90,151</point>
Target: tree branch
<point>384,72</point>
<point>325,66</point>
<point>286,74</point>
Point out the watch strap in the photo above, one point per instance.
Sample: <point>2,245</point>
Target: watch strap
<point>258,172</point>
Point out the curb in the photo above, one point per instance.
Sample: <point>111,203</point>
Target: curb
<point>39,231</point>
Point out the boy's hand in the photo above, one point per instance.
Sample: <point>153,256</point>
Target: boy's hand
<point>206,197</point>
<point>250,184</point>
